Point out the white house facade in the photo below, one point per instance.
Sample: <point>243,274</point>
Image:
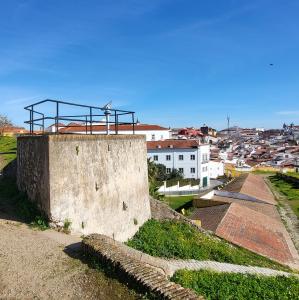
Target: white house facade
<point>187,156</point>
<point>216,169</point>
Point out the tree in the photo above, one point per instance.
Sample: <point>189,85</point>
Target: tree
<point>175,174</point>
<point>4,122</point>
<point>153,171</point>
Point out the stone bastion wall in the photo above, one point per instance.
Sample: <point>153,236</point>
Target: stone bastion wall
<point>99,183</point>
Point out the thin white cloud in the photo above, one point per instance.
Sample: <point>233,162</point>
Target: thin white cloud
<point>288,112</point>
<point>22,100</point>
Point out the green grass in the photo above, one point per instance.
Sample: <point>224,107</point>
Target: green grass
<point>293,174</point>
<point>178,201</point>
<point>214,285</point>
<point>8,144</point>
<point>19,205</point>
<point>172,239</point>
<point>290,190</point>
<point>262,172</point>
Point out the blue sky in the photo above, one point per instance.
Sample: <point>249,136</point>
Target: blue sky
<point>174,62</point>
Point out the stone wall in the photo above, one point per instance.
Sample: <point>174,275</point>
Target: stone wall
<point>138,268</point>
<point>33,170</point>
<point>98,183</point>
<point>161,211</point>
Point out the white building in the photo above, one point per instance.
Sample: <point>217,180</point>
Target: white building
<point>216,169</point>
<point>188,156</point>
<point>152,132</point>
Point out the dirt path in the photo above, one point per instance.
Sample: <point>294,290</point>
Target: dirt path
<point>34,265</point>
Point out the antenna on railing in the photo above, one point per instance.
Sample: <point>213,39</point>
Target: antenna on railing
<point>107,112</point>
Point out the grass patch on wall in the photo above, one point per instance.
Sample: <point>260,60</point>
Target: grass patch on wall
<point>173,239</point>
<point>18,205</point>
<point>288,189</point>
<point>214,285</point>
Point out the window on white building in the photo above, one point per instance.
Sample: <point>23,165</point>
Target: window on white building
<point>192,157</point>
<point>156,158</point>
<point>153,137</point>
<point>204,169</point>
<point>168,157</point>
<point>205,156</point>
<point>192,170</point>
<point>168,170</point>
<point>181,157</point>
<point>181,170</point>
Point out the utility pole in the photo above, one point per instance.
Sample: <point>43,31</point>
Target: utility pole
<point>228,119</point>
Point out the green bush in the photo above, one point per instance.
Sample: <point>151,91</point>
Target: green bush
<point>172,239</point>
<point>214,285</point>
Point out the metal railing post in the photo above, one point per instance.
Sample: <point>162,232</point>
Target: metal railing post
<point>57,114</point>
<point>43,123</point>
<point>90,119</point>
<point>32,119</point>
<point>116,122</point>
<point>133,122</point>
<point>30,112</point>
<point>85,124</point>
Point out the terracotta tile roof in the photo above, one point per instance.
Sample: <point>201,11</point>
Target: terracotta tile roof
<point>251,185</point>
<point>13,129</point>
<point>265,208</point>
<point>140,127</point>
<point>255,186</point>
<point>181,144</point>
<point>258,233</point>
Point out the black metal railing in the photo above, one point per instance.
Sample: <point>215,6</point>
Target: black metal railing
<point>89,119</point>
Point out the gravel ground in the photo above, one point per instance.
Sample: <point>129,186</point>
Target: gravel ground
<point>34,265</point>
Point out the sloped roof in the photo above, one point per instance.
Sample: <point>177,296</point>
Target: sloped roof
<point>259,233</point>
<point>210,216</point>
<point>253,186</point>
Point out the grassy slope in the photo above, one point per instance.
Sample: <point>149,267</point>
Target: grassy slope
<point>177,201</point>
<point>8,144</point>
<point>289,190</point>
<point>179,240</point>
<point>238,286</point>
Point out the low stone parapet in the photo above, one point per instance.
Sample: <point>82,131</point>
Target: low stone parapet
<point>148,273</point>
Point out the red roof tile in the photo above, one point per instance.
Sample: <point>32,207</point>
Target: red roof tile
<point>140,127</point>
<point>181,144</point>
<point>258,233</point>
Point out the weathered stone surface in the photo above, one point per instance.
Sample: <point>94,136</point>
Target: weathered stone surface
<point>99,183</point>
<point>124,260</point>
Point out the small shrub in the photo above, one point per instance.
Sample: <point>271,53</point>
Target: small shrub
<point>67,225</point>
